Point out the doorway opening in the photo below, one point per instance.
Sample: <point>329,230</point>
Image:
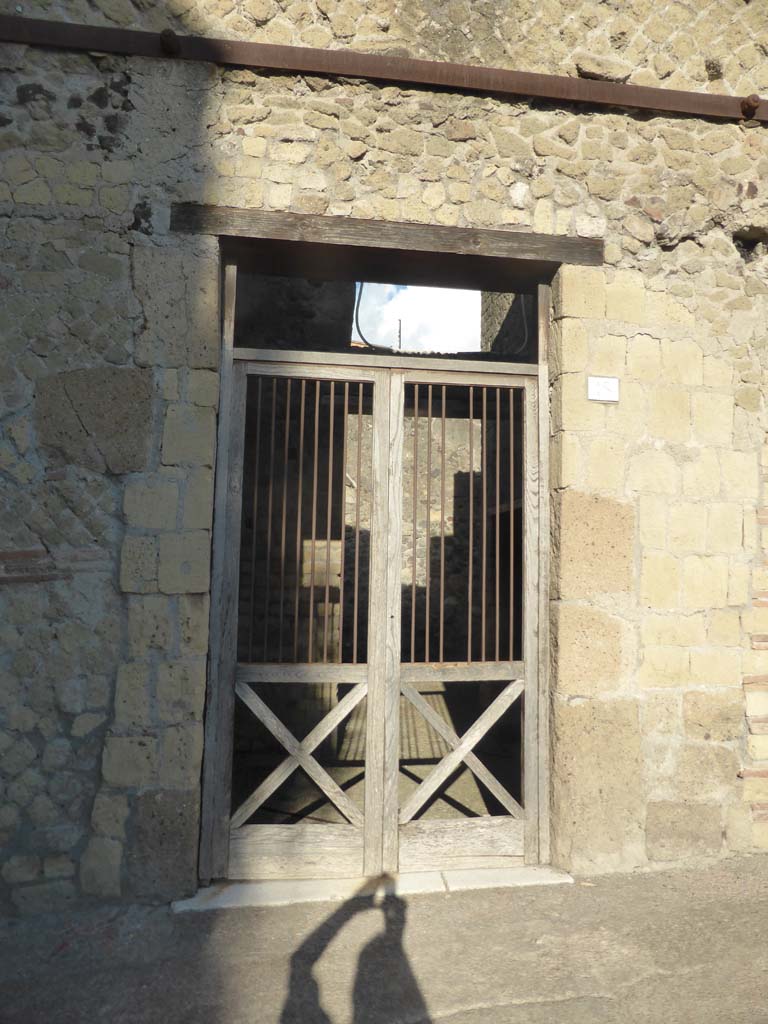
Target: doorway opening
<point>379,545</point>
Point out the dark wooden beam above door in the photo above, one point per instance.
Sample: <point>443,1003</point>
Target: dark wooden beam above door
<point>356,249</point>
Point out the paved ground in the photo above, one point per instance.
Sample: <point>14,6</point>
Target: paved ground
<point>669,947</point>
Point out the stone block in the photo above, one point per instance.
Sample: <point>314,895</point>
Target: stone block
<point>579,292</point>
<point>21,868</point>
<point>162,860</point>
<point>184,566</point>
<point>608,355</point>
<point>673,630</point>
<point>755,786</point>
<point>99,418</point>
<point>198,499</point>
<point>706,772</point>
<point>625,297</point>
<point>133,697</point>
<point>644,358</point>
<point>701,477</point>
<point>757,747</point>
<point>660,713</point>
<point>659,580</point>
<point>129,761</point>
<point>712,417</point>
<point>570,346</point>
<point>664,666</point>
<point>606,464</point>
<point>47,897</point>
<point>181,752</point>
<point>687,528</point>
<point>189,436</point>
<point>725,528</point>
<point>718,373</point>
<point>705,581</point>
<point>724,628</point>
<point>677,831</point>
<point>740,474</point>
<point>109,814</point>
<point>738,582</point>
<point>714,715</point>
<point>738,828</point>
<point>594,650</point>
<point>596,537</point>
<point>654,472</point>
<point>756,699</point>
<point>194,613</point>
<point>100,866</point>
<point>669,414</point>
<point>623,417</point>
<point>151,505</point>
<point>138,565</point>
<point>652,520</point>
<point>712,666</point>
<point>571,409</point>
<point>682,362</point>
<point>179,294</point>
<point>181,690</point>
<point>203,388</point>
<point>597,788</point>
<point>149,624</point>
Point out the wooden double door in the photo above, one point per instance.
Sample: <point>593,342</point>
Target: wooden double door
<point>379,553</point>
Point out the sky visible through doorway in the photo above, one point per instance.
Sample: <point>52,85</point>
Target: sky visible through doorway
<point>431,319</point>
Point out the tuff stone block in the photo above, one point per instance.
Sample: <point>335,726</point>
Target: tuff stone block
<point>715,715</point>
<point>597,786</point>
<point>100,867</point>
<point>596,545</point>
<point>189,436</point>
<point>593,650</point>
<point>184,566</point>
<point>676,831</point>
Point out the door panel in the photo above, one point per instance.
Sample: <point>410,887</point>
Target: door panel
<point>385,682</point>
<point>301,716</point>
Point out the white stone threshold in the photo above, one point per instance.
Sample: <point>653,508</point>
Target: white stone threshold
<point>276,893</point>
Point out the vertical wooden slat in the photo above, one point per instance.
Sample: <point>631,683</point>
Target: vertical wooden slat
<point>344,428</point>
<point>267,582</point>
<point>428,527</point>
<point>328,515</point>
<point>484,521</point>
<point>377,632</point>
<point>544,307</point>
<point>254,517</point>
<point>497,558</point>
<point>512,563</point>
<point>470,595</point>
<point>284,516</point>
<point>392,619</point>
<point>442,522</point>
<point>530,616</point>
<point>217,751</point>
<point>415,517</point>
<point>358,491</point>
<point>299,499</point>
<point>311,620</point>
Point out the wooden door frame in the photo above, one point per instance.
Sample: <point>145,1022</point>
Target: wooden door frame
<point>217,753</point>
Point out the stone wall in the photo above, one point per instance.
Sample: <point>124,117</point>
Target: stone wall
<point>108,368</point>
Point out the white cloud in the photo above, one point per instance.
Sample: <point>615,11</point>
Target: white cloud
<point>432,319</point>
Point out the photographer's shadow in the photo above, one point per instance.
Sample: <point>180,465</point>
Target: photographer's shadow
<point>385,989</point>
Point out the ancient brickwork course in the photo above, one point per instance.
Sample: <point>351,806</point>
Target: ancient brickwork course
<point>109,352</point>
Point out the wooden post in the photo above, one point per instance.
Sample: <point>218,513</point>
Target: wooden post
<point>222,658</point>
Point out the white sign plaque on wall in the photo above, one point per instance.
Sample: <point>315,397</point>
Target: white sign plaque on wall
<point>603,389</point>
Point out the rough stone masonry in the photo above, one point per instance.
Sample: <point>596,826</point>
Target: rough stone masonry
<point>108,365</point>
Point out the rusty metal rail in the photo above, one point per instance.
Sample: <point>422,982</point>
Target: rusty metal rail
<point>404,71</point>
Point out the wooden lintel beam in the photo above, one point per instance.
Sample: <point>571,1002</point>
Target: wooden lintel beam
<point>427,239</point>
